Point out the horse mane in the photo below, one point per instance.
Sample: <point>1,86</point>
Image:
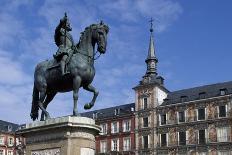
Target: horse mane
<point>92,26</point>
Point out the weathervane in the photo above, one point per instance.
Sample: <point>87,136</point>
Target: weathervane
<point>151,21</point>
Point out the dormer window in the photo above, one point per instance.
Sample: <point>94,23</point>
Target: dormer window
<point>202,95</point>
<point>223,91</point>
<point>183,98</point>
<point>9,127</point>
<point>116,111</point>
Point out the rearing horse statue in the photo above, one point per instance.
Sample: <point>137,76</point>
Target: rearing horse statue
<point>48,80</point>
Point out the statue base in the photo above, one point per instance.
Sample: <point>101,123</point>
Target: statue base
<point>69,135</point>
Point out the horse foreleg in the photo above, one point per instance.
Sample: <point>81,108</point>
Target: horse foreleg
<point>41,100</point>
<point>95,94</point>
<point>48,99</point>
<point>76,86</point>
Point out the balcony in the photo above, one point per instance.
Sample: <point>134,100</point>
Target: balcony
<point>195,142</point>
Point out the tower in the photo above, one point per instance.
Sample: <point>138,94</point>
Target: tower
<point>149,94</point>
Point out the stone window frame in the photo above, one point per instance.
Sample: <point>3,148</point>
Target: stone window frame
<point>161,140</point>
<point>2,141</point>
<point>8,152</point>
<point>113,129</point>
<point>124,147</point>
<point>102,128</point>
<point>160,120</point>
<point>113,144</point>
<point>206,136</point>
<point>148,141</point>
<point>102,150</point>
<point>10,143</point>
<point>205,117</point>
<point>178,134</point>
<point>218,111</point>
<point>124,125</point>
<point>178,116</point>
<point>148,121</point>
<point>228,129</point>
<point>2,151</point>
<point>147,102</point>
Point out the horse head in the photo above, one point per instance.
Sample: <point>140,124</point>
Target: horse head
<point>100,32</point>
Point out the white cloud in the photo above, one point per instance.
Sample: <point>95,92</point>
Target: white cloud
<point>11,70</point>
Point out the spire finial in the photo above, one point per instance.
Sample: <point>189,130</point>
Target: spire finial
<point>151,21</point>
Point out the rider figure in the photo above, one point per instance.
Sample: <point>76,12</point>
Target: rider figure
<point>64,41</point>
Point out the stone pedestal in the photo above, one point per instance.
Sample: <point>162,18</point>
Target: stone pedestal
<point>67,135</point>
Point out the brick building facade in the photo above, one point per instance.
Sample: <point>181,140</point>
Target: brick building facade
<point>8,140</point>
<point>117,135</point>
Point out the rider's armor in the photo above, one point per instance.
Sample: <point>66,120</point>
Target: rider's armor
<point>64,41</point>
<point>64,48</point>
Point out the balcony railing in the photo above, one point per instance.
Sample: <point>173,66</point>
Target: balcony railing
<point>201,141</point>
<point>193,119</point>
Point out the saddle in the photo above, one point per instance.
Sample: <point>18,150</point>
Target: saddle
<point>56,63</point>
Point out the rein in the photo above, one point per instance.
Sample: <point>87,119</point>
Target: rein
<point>94,58</point>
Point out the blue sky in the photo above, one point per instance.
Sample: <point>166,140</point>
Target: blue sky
<point>192,41</point>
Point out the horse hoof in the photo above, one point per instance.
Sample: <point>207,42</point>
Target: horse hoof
<point>88,106</point>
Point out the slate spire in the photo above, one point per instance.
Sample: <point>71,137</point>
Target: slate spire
<point>151,75</point>
<point>151,60</point>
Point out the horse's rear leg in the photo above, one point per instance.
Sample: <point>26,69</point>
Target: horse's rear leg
<point>76,86</point>
<point>41,100</point>
<point>48,99</point>
<point>95,94</point>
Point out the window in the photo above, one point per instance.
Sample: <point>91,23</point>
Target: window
<point>145,103</point>
<point>184,98</point>
<point>126,144</point>
<point>104,129</point>
<point>126,125</point>
<point>224,152</point>
<point>145,122</point>
<point>201,137</point>
<point>145,142</point>
<point>222,111</point>
<point>103,146</point>
<point>182,138</point>
<point>1,139</point>
<point>222,134</point>
<point>202,95</point>
<point>201,114</point>
<point>163,119</point>
<point>222,91</point>
<point>2,152</point>
<point>114,127</point>
<point>163,140</point>
<point>10,141</point>
<point>181,116</point>
<point>116,111</point>
<point>114,145</point>
<point>10,152</point>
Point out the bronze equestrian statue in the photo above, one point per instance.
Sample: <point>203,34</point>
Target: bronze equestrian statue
<point>49,79</point>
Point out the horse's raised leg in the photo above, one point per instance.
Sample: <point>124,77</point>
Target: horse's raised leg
<point>95,94</point>
<point>48,99</point>
<point>76,86</point>
<point>41,100</point>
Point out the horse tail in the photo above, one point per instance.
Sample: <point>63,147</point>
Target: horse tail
<point>35,107</point>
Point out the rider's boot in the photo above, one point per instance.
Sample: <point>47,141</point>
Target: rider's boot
<point>62,65</point>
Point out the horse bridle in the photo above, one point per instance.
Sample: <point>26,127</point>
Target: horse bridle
<point>94,58</point>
